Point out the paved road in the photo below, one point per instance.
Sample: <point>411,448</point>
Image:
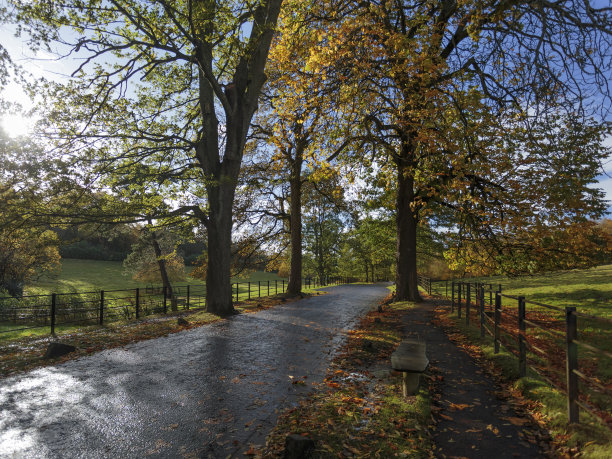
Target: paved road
<point>205,392</point>
<point>475,423</point>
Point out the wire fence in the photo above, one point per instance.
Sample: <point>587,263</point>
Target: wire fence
<point>543,338</point>
<point>95,308</point>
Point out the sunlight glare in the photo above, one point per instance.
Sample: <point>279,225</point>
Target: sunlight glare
<point>16,125</point>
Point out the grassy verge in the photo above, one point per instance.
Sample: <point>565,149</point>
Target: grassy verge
<point>590,291</point>
<point>358,411</point>
<point>88,275</point>
<point>547,405</point>
<point>30,316</point>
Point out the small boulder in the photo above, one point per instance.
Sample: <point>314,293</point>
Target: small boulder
<point>56,349</point>
<point>181,322</point>
<point>298,447</point>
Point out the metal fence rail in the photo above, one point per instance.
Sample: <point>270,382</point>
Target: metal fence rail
<point>101,307</point>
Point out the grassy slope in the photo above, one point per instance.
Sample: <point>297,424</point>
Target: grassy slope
<point>86,275</point>
<point>590,290</point>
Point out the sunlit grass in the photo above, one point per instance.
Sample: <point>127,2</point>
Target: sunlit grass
<point>589,290</point>
<point>95,275</point>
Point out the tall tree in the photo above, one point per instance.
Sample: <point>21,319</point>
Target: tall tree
<point>323,224</point>
<point>307,119</point>
<point>446,78</point>
<point>160,105</point>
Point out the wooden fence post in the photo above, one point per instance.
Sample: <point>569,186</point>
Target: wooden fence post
<point>468,299</point>
<point>101,307</point>
<point>276,286</point>
<point>459,300</point>
<point>53,304</point>
<point>249,297</point>
<point>283,289</point>
<point>497,320</point>
<point>522,345</point>
<point>571,364</point>
<point>165,300</point>
<point>188,295</point>
<point>268,288</point>
<point>482,311</point>
<point>452,297</point>
<point>137,303</point>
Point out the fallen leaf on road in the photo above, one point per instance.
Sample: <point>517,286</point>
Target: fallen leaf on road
<point>459,406</point>
<point>517,421</point>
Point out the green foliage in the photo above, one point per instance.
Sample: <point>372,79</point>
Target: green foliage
<point>143,262</point>
<point>25,254</point>
<point>97,242</point>
<point>322,227</point>
<point>368,251</point>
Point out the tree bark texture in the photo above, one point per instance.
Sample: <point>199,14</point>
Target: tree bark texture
<point>407,221</point>
<point>220,159</point>
<point>295,274</point>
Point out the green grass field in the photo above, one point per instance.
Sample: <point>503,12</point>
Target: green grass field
<point>590,290</point>
<point>93,275</point>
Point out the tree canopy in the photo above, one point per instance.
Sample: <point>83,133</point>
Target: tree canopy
<point>484,122</point>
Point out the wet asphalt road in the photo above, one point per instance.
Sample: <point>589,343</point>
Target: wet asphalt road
<point>205,392</point>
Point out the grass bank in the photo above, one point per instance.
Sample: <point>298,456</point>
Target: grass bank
<point>89,275</point>
<point>590,290</point>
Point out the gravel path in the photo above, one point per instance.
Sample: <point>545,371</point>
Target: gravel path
<point>206,392</point>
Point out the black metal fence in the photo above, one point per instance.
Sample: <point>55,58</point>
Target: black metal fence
<point>424,282</point>
<point>35,312</point>
<point>545,340</point>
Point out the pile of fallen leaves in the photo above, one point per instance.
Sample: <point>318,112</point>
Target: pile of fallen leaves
<point>17,356</point>
<point>358,411</point>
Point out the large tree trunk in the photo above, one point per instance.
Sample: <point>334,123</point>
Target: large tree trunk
<point>407,220</point>
<point>295,274</point>
<point>220,161</point>
<point>218,274</point>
